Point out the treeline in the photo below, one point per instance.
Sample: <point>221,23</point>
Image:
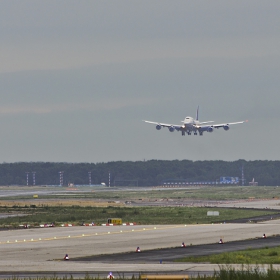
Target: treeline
<point>141,173</point>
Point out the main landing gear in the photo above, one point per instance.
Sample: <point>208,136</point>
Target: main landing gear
<point>190,133</point>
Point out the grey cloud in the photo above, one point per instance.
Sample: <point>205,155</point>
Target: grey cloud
<point>78,77</point>
<point>138,19</point>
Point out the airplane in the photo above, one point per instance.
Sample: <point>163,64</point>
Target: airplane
<point>193,125</point>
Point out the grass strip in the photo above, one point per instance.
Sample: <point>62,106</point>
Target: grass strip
<point>141,215</point>
<point>194,193</point>
<point>225,273</point>
<point>249,256</point>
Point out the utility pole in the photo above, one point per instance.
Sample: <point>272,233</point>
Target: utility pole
<point>242,174</point>
<point>27,177</point>
<point>34,178</point>
<point>61,178</point>
<point>89,178</point>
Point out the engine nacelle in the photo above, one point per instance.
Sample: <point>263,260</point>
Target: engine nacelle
<point>171,128</point>
<point>226,127</point>
<point>210,129</point>
<point>158,127</point>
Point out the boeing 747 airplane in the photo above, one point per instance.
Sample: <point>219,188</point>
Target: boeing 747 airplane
<point>193,125</point>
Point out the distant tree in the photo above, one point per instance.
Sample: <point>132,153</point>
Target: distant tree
<point>147,173</point>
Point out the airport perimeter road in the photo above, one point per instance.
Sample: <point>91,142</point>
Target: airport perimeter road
<point>35,250</point>
<point>253,203</point>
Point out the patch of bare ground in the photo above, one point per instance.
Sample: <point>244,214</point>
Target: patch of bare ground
<point>57,202</point>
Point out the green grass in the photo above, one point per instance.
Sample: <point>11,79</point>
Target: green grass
<point>141,215</point>
<point>225,273</point>
<point>203,193</point>
<point>250,256</point>
<point>246,273</point>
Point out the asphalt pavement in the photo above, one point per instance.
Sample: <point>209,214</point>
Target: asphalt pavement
<point>173,254</point>
<point>98,250</point>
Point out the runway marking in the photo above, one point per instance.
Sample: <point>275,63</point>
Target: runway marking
<point>101,233</point>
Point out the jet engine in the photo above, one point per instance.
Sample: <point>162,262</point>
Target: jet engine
<point>210,129</point>
<point>226,127</point>
<point>158,127</point>
<point>171,128</point>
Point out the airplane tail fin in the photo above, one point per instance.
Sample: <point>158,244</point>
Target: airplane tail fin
<point>197,113</point>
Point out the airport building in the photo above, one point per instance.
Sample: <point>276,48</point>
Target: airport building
<point>185,182</point>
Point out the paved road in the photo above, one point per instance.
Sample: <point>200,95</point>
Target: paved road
<point>32,252</point>
<point>172,254</point>
<point>42,250</point>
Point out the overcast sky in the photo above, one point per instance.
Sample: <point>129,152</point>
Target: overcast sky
<point>78,77</point>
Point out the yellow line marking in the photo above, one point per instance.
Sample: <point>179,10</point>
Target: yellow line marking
<point>101,233</point>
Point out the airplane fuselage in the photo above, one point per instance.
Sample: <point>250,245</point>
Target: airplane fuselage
<point>193,125</point>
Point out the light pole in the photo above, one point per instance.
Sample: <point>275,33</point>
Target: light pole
<point>61,178</point>
<point>27,177</point>
<point>34,178</point>
<point>89,178</point>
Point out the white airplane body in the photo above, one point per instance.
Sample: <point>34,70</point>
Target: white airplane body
<point>193,125</point>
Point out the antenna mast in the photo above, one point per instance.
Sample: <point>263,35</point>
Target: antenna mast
<point>242,175</point>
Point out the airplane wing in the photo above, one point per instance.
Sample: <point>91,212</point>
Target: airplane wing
<point>162,124</point>
<point>209,128</point>
<point>206,122</point>
<point>226,124</point>
<point>171,127</point>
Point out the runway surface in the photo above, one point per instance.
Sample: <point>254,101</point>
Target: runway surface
<point>98,250</point>
<point>172,254</point>
<point>32,251</point>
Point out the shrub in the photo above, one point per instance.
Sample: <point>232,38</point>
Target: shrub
<point>272,253</point>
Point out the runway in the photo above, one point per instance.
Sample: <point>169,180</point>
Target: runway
<point>172,254</point>
<point>33,251</point>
